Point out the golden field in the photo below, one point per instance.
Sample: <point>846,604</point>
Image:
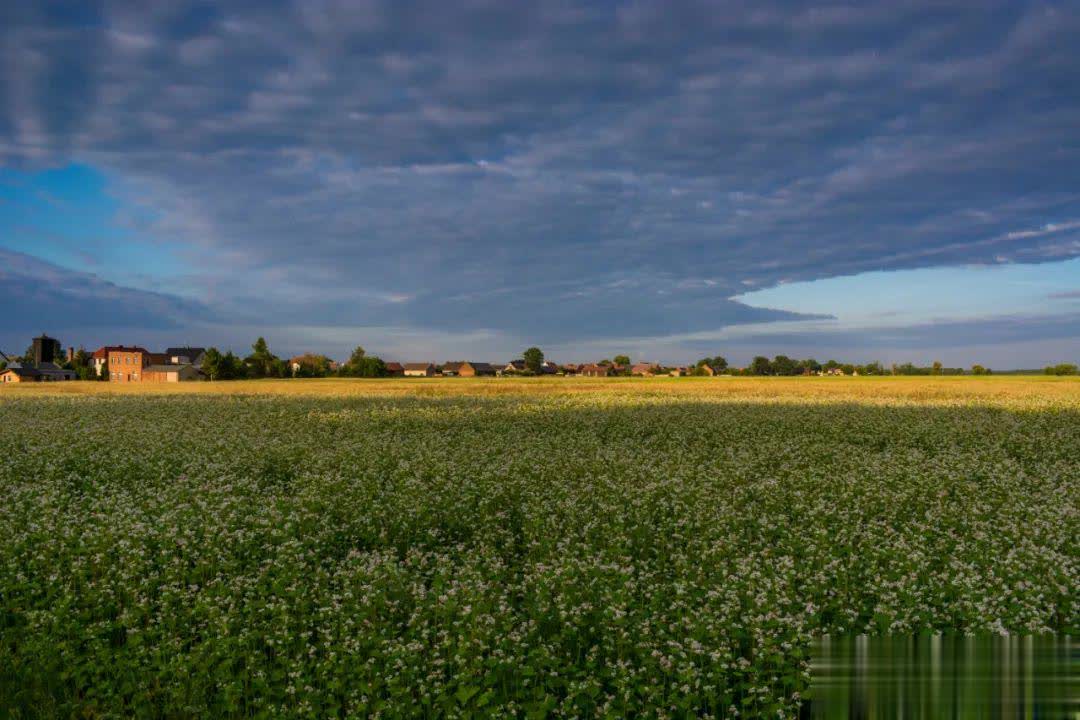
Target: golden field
<point>999,389</point>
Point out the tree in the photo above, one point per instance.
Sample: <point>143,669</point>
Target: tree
<point>80,363</point>
<point>211,365</point>
<point>979,370</point>
<point>873,368</point>
<point>534,360</point>
<point>718,363</point>
<point>1062,369</point>
<point>367,367</point>
<point>622,359</point>
<point>760,365</point>
<point>361,364</point>
<point>783,365</point>
<point>935,369</point>
<point>310,365</point>
<point>222,367</point>
<point>263,363</point>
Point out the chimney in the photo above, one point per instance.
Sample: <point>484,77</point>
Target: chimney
<point>71,354</point>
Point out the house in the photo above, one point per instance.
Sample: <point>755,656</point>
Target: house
<point>645,369</point>
<point>171,373</point>
<point>708,370</point>
<point>100,358</point>
<point>395,369</point>
<point>419,369</point>
<point>184,355</point>
<point>514,366</point>
<point>679,371</point>
<point>595,370</point>
<point>126,364</point>
<point>571,368</point>
<point>476,369</point>
<point>43,368</point>
<point>16,373</point>
<point>548,368</point>
<point>44,372</point>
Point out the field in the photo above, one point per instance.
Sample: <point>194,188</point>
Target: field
<point>515,548</point>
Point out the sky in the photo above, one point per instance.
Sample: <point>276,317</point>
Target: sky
<point>460,180</point>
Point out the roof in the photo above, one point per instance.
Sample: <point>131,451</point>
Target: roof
<point>191,352</point>
<point>517,364</point>
<point>20,371</point>
<point>166,368</point>
<point>121,348</point>
<point>394,366</point>
<point>102,353</point>
<point>452,366</point>
<point>417,366</point>
<point>644,367</point>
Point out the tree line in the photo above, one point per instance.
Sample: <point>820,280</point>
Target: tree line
<point>262,363</point>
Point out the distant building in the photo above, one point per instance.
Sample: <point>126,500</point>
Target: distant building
<point>464,368</point>
<point>126,364</point>
<point>595,370</point>
<point>100,359</point>
<point>185,355</point>
<point>514,366</point>
<point>46,350</point>
<point>45,372</point>
<point>645,369</point>
<point>395,369</point>
<point>419,369</point>
<point>170,373</point>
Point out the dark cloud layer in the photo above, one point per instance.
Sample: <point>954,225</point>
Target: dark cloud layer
<point>552,170</point>
<point>41,296</point>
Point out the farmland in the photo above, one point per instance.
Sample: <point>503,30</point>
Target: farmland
<point>521,548</point>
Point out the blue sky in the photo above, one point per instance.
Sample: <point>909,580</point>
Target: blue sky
<point>434,180</point>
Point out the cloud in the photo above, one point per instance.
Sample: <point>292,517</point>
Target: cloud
<point>40,296</point>
<point>549,170</point>
<point>1065,295</point>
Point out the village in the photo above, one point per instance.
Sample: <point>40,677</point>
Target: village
<point>46,360</point>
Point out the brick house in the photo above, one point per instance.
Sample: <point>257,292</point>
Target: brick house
<point>395,369</point>
<point>126,364</point>
<point>475,369</point>
<point>595,370</point>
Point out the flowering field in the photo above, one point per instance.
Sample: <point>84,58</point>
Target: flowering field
<point>514,548</point>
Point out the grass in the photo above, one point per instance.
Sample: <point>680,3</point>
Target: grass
<point>514,548</point>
